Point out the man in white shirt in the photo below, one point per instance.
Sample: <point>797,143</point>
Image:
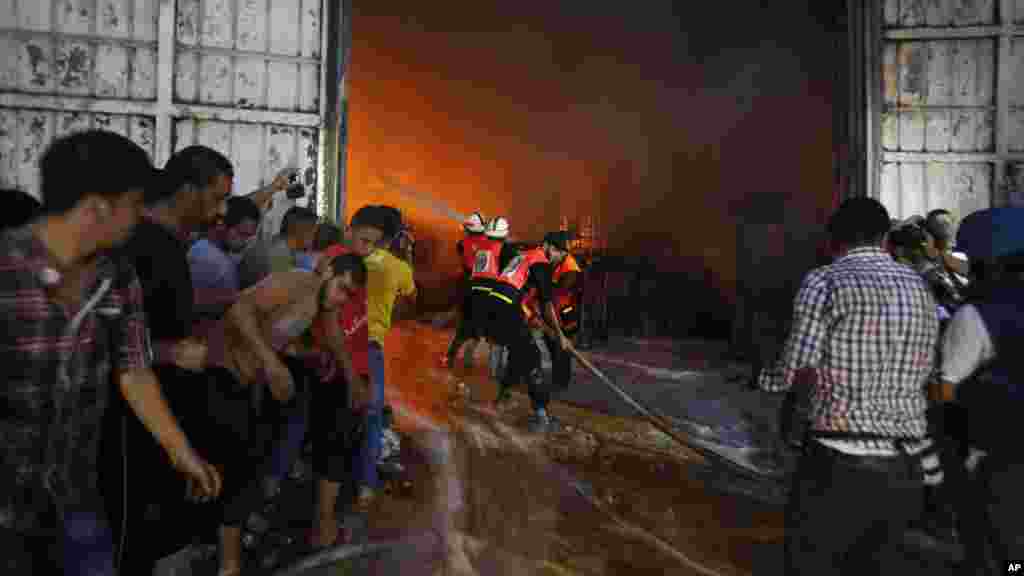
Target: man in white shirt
<point>982,372</point>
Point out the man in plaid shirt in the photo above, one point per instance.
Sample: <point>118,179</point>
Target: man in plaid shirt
<point>73,324</point>
<point>862,347</point>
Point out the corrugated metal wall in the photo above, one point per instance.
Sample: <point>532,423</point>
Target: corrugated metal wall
<point>952,105</point>
<point>246,77</point>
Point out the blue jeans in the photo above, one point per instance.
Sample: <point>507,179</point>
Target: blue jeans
<point>88,545</point>
<point>370,452</point>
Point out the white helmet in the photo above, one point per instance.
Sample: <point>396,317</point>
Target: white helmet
<point>474,223</point>
<point>497,228</point>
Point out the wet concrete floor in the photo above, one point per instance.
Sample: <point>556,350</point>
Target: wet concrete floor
<point>607,495</point>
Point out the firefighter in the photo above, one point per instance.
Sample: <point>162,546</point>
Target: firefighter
<point>507,326</point>
<point>564,296</point>
<point>467,249</point>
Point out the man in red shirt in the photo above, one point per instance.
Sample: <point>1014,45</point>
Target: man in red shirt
<point>332,417</point>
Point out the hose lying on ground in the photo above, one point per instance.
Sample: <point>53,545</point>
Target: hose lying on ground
<point>658,422</point>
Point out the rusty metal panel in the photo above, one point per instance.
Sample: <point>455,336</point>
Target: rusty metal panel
<point>285,23</point>
<point>74,68</point>
<point>35,63</point>
<point>889,188</point>
<point>75,16</point>
<point>215,79</point>
<point>1016,77</point>
<point>250,79</point>
<point>974,12</point>
<point>25,133</point>
<point>81,48</point>
<point>34,15</point>
<point>1015,130</point>
<point>912,58</point>
<point>243,43</point>
<point>187,19</point>
<point>262,149</point>
<point>282,92</point>
<point>34,132</point>
<point>247,150</point>
<point>912,13</point>
<point>971,186</point>
<point>71,122</point>
<point>144,20</point>
<point>309,88</point>
<point>8,148</point>
<point>69,65</point>
<point>939,13</point>
<point>939,74</point>
<point>937,131</point>
<point>891,13</point>
<point>1015,183</point>
<point>142,84</point>
<point>186,77</point>
<point>216,135</point>
<point>9,71</point>
<point>937,189</point>
<point>310,35</point>
<point>914,188</point>
<point>112,71</point>
<point>912,131</point>
<point>218,25</point>
<point>112,18</point>
<point>252,26</point>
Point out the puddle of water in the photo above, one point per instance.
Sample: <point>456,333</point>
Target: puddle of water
<point>604,496</point>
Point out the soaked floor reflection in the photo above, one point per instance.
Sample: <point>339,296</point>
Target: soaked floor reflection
<point>604,496</point>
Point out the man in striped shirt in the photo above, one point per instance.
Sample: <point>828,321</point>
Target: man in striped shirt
<point>862,346</point>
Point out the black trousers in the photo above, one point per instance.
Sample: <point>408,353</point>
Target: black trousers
<point>334,430</point>
<point>996,535</point>
<point>506,326</point>
<point>465,328</point>
<point>216,414</point>
<point>29,554</point>
<point>847,514</point>
<point>561,364</point>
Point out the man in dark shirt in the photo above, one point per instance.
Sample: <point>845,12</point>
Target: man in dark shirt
<point>215,409</point>
<point>74,325</point>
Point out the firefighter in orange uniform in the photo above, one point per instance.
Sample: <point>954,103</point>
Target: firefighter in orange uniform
<point>467,248</point>
<point>506,325</point>
<point>564,296</point>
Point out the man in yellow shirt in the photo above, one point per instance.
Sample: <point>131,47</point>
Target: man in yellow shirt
<point>388,278</point>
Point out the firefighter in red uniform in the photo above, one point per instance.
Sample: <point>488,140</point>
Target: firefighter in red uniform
<point>507,326</point>
<point>564,296</point>
<point>467,249</point>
